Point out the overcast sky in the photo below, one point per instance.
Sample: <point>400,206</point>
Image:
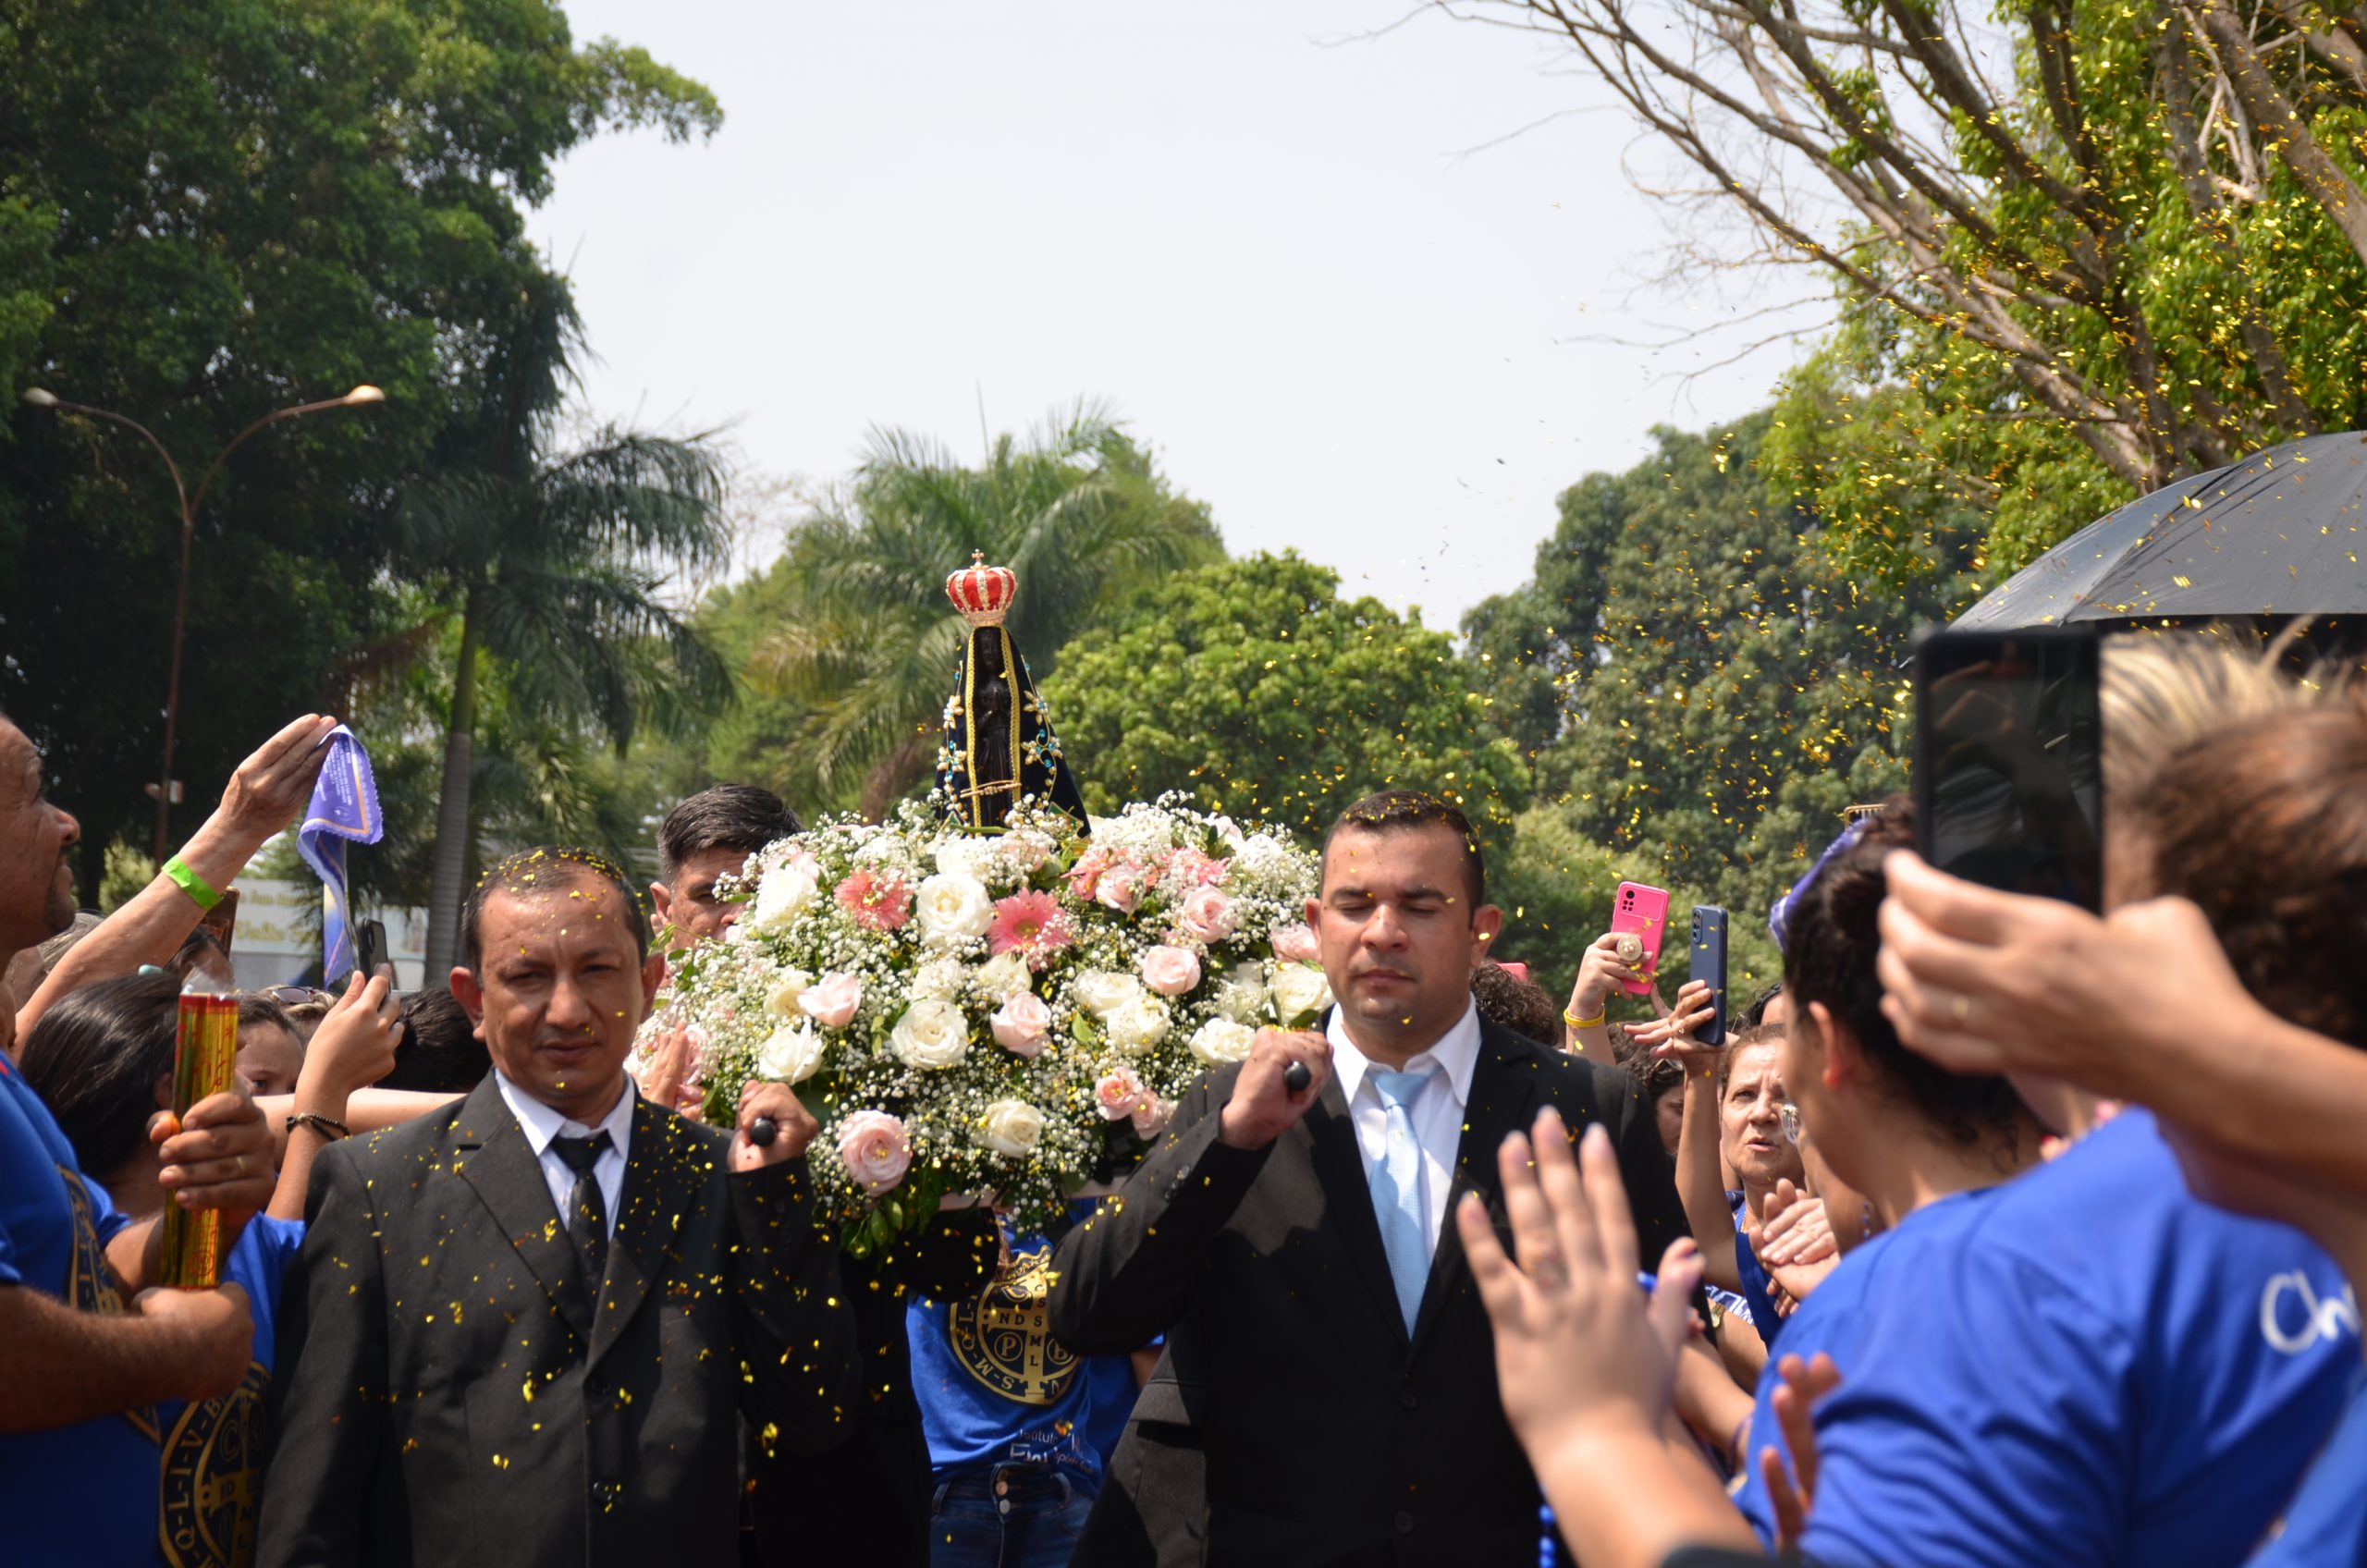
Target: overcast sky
<point>1268,243</point>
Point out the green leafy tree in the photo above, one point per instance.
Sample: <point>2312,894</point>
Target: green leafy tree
<point>860,652</point>
<point>1254,688</point>
<point>1724,690</point>
<point>2080,249</point>
<point>211,211</point>
<point>553,561</point>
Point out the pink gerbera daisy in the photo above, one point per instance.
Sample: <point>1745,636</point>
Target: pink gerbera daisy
<point>1032,925</point>
<point>875,903</point>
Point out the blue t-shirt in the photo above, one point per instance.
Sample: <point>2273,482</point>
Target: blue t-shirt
<point>2087,1365</point>
<point>994,1388</point>
<point>84,1494</point>
<point>2325,1525</point>
<point>1758,1307</point>
<point>213,1449</point>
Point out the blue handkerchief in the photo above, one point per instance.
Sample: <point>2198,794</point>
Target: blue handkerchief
<point>344,808</point>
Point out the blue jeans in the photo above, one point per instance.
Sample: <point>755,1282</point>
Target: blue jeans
<point>1008,1516</point>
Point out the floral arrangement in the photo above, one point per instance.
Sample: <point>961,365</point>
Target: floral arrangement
<point>1012,1011</point>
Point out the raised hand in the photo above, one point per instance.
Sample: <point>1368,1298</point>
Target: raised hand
<point>1579,1349</point>
<point>276,781</point>
<point>1601,972</point>
<point>1671,1034</point>
<point>1793,1496</point>
<point>1264,1104</point>
<point>353,1047</point>
<point>1987,982</point>
<point>1794,1241</point>
<point>666,1077</point>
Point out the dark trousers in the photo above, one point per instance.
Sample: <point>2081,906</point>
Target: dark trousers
<point>1006,1516</point>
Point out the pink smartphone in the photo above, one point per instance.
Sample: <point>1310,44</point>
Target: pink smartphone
<point>1643,911</point>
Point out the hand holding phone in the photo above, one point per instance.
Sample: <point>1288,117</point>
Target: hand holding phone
<point>1709,966</point>
<point>370,948</point>
<point>1642,911</point>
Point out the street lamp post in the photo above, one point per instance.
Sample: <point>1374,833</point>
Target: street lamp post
<point>359,397</point>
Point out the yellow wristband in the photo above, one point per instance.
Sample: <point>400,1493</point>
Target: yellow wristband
<point>1574,1021</point>
<point>200,891</point>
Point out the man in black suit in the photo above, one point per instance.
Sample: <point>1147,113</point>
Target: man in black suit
<point>1328,1356</point>
<point>522,1329</point>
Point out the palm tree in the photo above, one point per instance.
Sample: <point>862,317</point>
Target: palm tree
<point>555,562</point>
<point>870,645</point>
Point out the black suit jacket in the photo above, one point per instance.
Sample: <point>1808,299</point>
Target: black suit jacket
<point>457,1392</point>
<point>1330,1434</point>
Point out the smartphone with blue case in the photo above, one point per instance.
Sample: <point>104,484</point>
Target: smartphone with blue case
<point>1709,952</point>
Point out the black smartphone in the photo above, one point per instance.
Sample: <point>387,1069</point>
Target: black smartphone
<point>370,947</point>
<point>1708,958</point>
<point>2010,760</point>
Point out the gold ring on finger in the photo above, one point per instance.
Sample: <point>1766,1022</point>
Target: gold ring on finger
<point>240,1160</point>
<point>1961,1010</point>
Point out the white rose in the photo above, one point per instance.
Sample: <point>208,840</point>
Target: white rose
<point>1241,995</point>
<point>968,857</point>
<point>1012,1128</point>
<point>1221,1040</point>
<point>931,1035</point>
<point>784,894</point>
<point>1300,991</point>
<point>787,987</point>
<point>1102,992</point>
<point>1001,974</point>
<point>789,1054</point>
<point>1136,1026</point>
<point>953,906</point>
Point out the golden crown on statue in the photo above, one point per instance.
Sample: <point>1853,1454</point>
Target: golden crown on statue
<point>982,592</point>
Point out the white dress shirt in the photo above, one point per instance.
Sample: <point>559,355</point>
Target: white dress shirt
<point>541,1124</point>
<point>1437,1117</point>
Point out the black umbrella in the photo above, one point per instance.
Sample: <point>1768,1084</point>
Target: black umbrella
<point>2278,534</point>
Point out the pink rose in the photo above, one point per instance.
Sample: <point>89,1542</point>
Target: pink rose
<point>831,1000</point>
<point>1121,887</point>
<point>1118,1094</point>
<point>1022,1024</point>
<point>1152,1114</point>
<point>1296,943</point>
<point>1208,914</point>
<point>1170,970</point>
<point>875,1150</point>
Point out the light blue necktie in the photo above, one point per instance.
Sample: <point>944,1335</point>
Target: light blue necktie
<point>1398,1198</point>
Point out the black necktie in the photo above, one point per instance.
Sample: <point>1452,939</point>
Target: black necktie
<point>587,1212</point>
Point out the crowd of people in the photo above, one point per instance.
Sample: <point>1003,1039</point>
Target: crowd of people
<point>1999,1231</point>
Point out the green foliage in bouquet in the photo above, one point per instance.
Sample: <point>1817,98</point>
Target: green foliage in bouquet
<point>1013,1014</point>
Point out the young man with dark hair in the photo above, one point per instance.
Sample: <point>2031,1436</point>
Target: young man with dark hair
<point>710,835</point>
<point>438,1052</point>
<point>521,1327</point>
<point>1327,1356</point>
